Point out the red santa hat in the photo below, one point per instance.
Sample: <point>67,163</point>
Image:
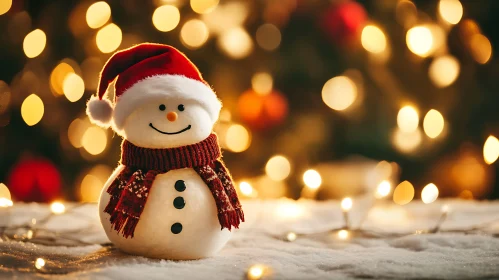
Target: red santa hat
<point>147,72</point>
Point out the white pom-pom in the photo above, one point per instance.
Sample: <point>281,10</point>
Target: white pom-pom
<point>100,112</point>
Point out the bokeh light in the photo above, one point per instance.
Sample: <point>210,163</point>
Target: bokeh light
<point>75,132</point>
<point>94,140</point>
<point>481,48</point>
<point>268,37</point>
<point>39,263</point>
<point>247,189</point>
<point>450,10</point>
<point>291,236</point>
<point>406,142</point>
<point>57,207</point>
<point>419,40</point>
<point>73,87</point>
<point>373,39</point>
<point>408,119</point>
<point>255,272</point>
<point>98,14</point>
<point>343,234</point>
<point>491,150</point>
<point>444,71</point>
<point>194,33</point>
<point>262,83</point>
<point>433,123</point>
<point>32,109</point>
<point>278,168</point>
<point>339,93</point>
<point>166,18</point>
<point>384,189</point>
<point>237,138</point>
<point>236,43</point>
<point>403,193</point>
<point>429,193</point>
<point>5,6</point>
<point>58,75</point>
<point>346,204</point>
<point>4,192</point>
<point>108,38</point>
<point>93,182</point>
<point>203,6</point>
<point>34,43</point>
<point>312,179</point>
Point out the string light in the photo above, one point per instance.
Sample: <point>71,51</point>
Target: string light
<point>165,18</point>
<point>419,40</point>
<point>94,140</point>
<point>57,207</point>
<point>408,119</point>
<point>403,193</point>
<point>98,14</point>
<point>255,272</point>
<point>32,109</point>
<point>373,39</point>
<point>268,37</point>
<point>203,6</point>
<point>444,71</point>
<point>312,179</point>
<point>34,43</point>
<point>450,10</point>
<point>39,263</point>
<point>73,87</point>
<point>291,236</point>
<point>343,234</point>
<point>236,43</point>
<point>237,138</point>
<point>278,168</point>
<point>339,93</point>
<point>481,48</point>
<point>346,204</point>
<point>491,150</point>
<point>194,33</point>
<point>5,6</point>
<point>108,38</point>
<point>433,123</point>
<point>429,193</point>
<point>384,189</point>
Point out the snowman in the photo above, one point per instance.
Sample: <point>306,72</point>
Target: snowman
<point>171,196</point>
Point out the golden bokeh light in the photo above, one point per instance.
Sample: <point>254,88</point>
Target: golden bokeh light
<point>491,150</point>
<point>98,14</point>
<point>203,6</point>
<point>373,39</point>
<point>5,202</point>
<point>32,109</point>
<point>444,71</point>
<point>225,115</point>
<point>94,140</point>
<point>90,188</point>
<point>419,40</point>
<point>312,179</point>
<point>5,6</point>
<point>262,83</point>
<point>450,10</point>
<point>194,33</point>
<point>291,236</point>
<point>339,93</point>
<point>433,123</point>
<point>278,168</point>
<point>268,37</point>
<point>39,263</point>
<point>481,48</point>
<point>289,211</point>
<point>34,43</point>
<point>247,189</point>
<point>384,189</point>
<point>408,119</point>
<point>57,207</point>
<point>403,193</point>
<point>346,204</point>
<point>236,43</point>
<point>343,234</point>
<point>255,272</point>
<point>166,18</point>
<point>407,142</point>
<point>73,87</point>
<point>429,193</point>
<point>75,132</point>
<point>108,38</point>
<point>4,192</point>
<point>58,75</point>
<point>237,138</point>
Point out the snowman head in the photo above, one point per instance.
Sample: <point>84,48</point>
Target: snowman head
<point>161,101</point>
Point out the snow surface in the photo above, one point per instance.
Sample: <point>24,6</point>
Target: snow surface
<point>446,255</point>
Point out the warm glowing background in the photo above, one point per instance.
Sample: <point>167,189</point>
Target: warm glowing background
<point>322,99</point>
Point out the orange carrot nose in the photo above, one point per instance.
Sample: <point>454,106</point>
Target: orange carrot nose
<point>172,116</point>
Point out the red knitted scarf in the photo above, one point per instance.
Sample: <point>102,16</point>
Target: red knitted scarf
<point>131,187</point>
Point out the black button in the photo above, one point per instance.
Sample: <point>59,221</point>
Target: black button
<point>179,202</point>
<point>176,228</point>
<point>180,185</point>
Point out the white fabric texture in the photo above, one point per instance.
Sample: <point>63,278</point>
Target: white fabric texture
<point>319,256</point>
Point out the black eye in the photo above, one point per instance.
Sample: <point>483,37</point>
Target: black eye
<point>181,107</point>
<point>162,107</point>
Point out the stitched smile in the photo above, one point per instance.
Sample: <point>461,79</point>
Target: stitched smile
<point>170,133</point>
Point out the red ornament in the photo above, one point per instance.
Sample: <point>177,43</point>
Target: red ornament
<point>262,111</point>
<point>34,180</point>
<point>343,22</point>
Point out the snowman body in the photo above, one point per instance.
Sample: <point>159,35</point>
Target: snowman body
<point>179,220</point>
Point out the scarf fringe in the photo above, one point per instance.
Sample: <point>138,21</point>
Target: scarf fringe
<point>231,219</point>
<point>122,222</point>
